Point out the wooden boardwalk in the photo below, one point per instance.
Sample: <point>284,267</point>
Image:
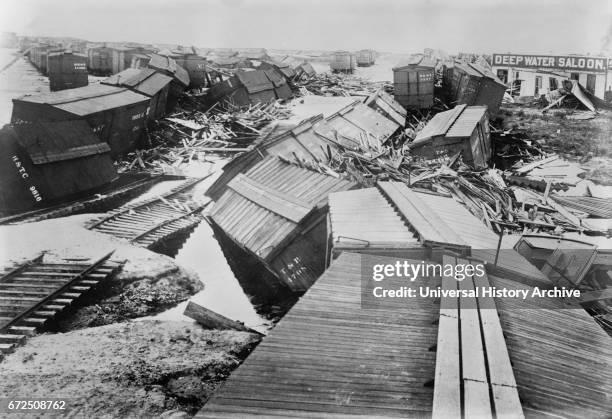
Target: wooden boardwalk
<point>329,357</point>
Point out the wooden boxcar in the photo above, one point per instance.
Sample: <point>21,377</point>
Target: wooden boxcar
<point>245,88</point>
<point>100,61</point>
<point>413,83</point>
<point>115,114</point>
<point>195,65</point>
<point>463,129</point>
<point>43,163</point>
<point>366,58</point>
<point>342,62</point>
<point>289,237</point>
<point>470,84</point>
<point>284,69</point>
<point>66,70</point>
<point>148,82</point>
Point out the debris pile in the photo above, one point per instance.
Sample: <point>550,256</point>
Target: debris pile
<point>191,134</point>
<point>326,84</point>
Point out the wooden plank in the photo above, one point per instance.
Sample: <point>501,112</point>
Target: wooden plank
<point>447,384</point>
<point>286,206</point>
<point>529,167</point>
<point>212,320</point>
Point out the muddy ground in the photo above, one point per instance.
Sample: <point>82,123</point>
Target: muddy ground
<point>139,369</point>
<point>107,365</point>
<point>585,141</point>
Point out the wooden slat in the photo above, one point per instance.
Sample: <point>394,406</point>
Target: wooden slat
<point>422,218</point>
<point>597,295</point>
<point>447,387</point>
<point>331,357</point>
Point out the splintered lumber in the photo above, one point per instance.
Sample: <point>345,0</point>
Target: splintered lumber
<point>597,295</point>
<point>212,320</point>
<point>530,166</point>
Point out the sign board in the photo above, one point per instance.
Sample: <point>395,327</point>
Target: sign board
<point>553,62</point>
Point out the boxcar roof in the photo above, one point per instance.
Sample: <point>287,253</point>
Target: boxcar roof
<point>457,122</point>
<point>145,80</point>
<point>279,195</point>
<point>162,63</point>
<point>88,99</point>
<point>413,62</point>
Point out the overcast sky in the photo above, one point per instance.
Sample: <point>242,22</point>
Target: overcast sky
<point>521,26</point>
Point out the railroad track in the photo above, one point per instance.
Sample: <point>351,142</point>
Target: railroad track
<point>148,223</point>
<point>35,292</point>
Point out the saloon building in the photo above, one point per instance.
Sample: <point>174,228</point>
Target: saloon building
<point>536,75</point>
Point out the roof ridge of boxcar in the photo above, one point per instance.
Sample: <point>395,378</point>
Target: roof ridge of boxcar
<point>68,96</point>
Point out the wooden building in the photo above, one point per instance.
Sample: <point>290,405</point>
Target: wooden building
<point>100,60</point>
<point>342,62</point>
<point>116,115</point>
<point>413,82</point>
<point>43,163</point>
<point>462,129</point>
<point>147,82</point>
<point>366,58</point>
<point>248,87</point>
<point>66,70</point>
<point>276,211</point>
<point>470,84</point>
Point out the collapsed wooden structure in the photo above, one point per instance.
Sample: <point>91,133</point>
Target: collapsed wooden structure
<point>276,211</point>
<point>251,87</point>
<point>480,356</point>
<point>464,129</point>
<point>470,84</point>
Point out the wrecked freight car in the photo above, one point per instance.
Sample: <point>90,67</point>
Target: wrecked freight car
<point>276,211</point>
<point>248,87</point>
<point>116,115</point>
<point>470,84</point>
<point>342,62</point>
<point>46,162</point>
<point>147,82</point>
<point>464,129</point>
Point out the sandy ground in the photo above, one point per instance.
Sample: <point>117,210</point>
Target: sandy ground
<point>136,369</point>
<point>147,284</point>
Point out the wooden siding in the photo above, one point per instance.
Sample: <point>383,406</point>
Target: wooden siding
<point>329,357</point>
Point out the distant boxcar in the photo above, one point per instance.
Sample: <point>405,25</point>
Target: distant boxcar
<point>343,62</point>
<point>116,115</point>
<point>413,83</point>
<point>195,65</point>
<point>66,70</point>
<point>100,61</point>
<point>366,58</point>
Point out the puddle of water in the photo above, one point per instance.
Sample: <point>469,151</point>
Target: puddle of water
<point>237,294</point>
